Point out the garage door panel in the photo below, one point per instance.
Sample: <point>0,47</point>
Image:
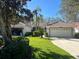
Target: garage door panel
<point>61,32</point>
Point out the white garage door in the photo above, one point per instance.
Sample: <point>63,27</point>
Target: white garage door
<point>61,32</point>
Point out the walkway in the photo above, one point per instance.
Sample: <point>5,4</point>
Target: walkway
<point>69,45</point>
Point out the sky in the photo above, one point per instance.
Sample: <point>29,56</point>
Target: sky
<point>49,8</point>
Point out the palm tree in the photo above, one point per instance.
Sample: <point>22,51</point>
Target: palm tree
<point>36,12</point>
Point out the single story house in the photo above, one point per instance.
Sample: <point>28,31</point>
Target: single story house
<point>61,29</point>
<point>20,29</point>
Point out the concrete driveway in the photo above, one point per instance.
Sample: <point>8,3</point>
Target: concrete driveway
<point>70,45</point>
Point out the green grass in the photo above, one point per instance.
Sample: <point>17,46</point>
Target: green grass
<point>44,49</point>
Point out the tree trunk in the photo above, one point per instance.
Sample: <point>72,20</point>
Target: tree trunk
<point>5,27</point>
<point>36,23</point>
<point>6,32</point>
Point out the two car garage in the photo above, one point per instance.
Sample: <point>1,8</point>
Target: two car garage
<point>60,30</point>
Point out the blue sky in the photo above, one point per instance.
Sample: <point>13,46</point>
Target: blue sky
<point>49,8</point>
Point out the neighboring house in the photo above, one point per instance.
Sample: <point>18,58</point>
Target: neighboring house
<point>20,29</point>
<point>61,29</point>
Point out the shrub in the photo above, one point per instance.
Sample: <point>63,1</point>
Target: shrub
<point>19,49</point>
<point>76,35</point>
<point>36,33</point>
<point>46,34</point>
<point>21,38</point>
<point>41,30</point>
<point>1,42</point>
<point>28,33</point>
<point>27,40</point>
<point>18,38</point>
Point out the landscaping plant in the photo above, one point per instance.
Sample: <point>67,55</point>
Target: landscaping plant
<point>19,49</point>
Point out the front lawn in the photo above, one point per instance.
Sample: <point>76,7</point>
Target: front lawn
<point>44,49</point>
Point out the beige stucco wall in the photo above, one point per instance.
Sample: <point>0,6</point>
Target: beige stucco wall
<point>26,29</point>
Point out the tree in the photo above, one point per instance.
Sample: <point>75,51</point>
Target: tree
<point>10,10</point>
<point>70,9</point>
<point>39,20</point>
<point>37,14</point>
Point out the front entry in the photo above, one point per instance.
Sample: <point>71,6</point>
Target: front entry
<point>17,31</point>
